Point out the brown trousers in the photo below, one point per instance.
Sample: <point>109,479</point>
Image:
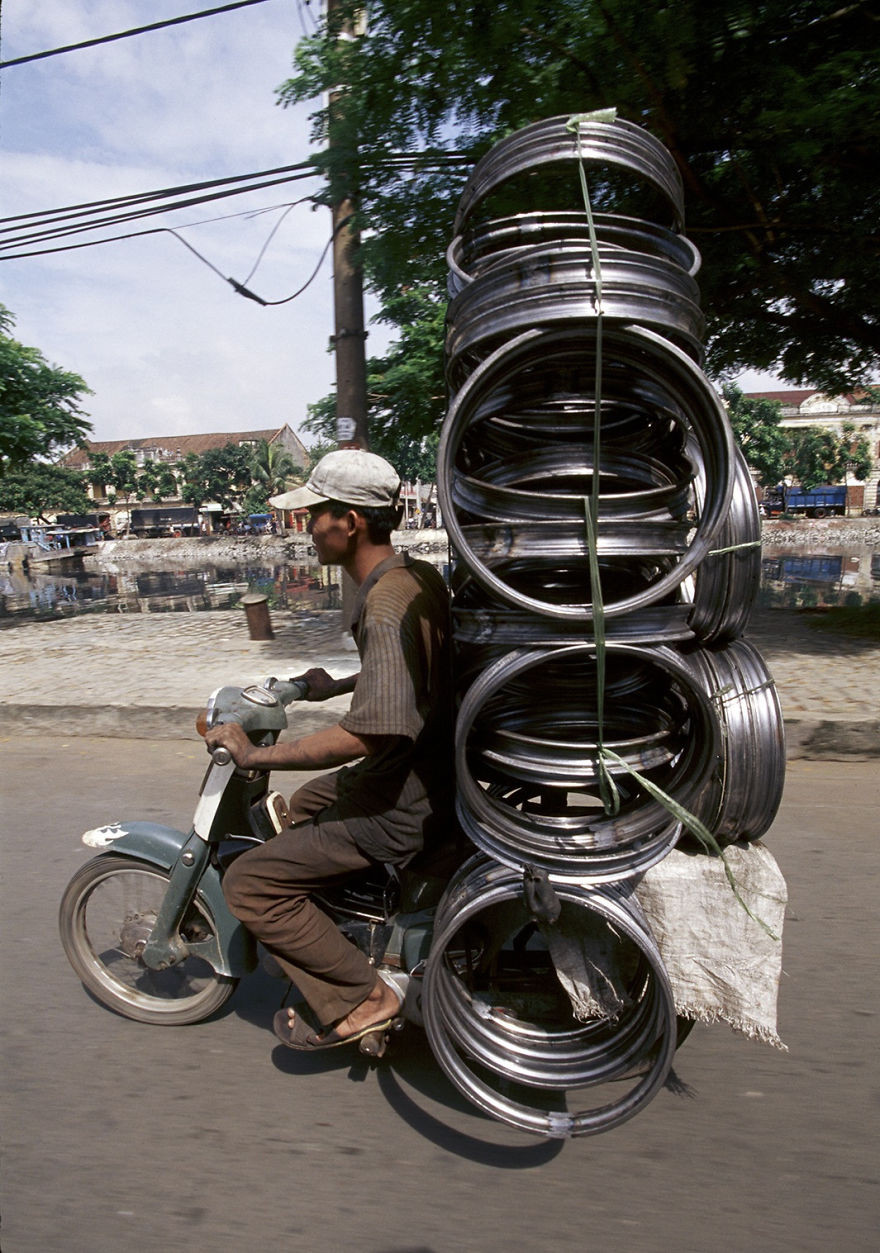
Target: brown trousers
<point>268,889</point>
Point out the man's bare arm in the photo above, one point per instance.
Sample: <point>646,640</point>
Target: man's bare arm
<point>331,746</point>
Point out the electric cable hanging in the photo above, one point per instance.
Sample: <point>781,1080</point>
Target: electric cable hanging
<point>181,189</point>
<point>61,232</point>
<point>127,34</point>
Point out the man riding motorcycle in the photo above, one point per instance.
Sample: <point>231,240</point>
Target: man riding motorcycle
<point>399,795</point>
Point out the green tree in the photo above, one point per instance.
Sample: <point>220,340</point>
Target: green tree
<point>124,474</point>
<point>819,455</point>
<point>273,470</point>
<point>405,391</point>
<point>756,428</point>
<point>156,480</point>
<point>117,475</point>
<point>36,488</point>
<point>40,415</point>
<point>855,457</point>
<point>220,474</point>
<point>770,108</point>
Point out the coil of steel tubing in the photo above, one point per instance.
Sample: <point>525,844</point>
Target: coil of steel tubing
<point>506,556</point>
<point>725,586</point>
<point>525,258</point>
<point>485,632</point>
<point>578,1058</point>
<point>576,1053</point>
<point>499,237</point>
<point>741,799</point>
<point>626,349</point>
<point>558,405</point>
<point>563,584</point>
<point>557,285</point>
<point>572,842</point>
<point>551,483</point>
<point>573,1055</point>
<point>619,144</point>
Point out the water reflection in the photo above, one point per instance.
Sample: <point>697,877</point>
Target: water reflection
<point>790,578</point>
<point>40,595</point>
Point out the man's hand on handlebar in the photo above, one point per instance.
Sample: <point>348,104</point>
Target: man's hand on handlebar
<point>231,735</point>
<point>321,686</point>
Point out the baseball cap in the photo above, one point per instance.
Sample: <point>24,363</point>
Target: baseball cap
<point>350,475</point>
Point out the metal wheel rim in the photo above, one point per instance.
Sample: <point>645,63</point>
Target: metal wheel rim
<point>119,987</point>
<point>589,1054</point>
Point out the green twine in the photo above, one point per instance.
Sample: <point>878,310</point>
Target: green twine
<point>733,548</point>
<point>607,787</point>
<point>608,790</point>
<point>693,824</point>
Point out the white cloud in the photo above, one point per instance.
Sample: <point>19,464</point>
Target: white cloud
<point>166,345</point>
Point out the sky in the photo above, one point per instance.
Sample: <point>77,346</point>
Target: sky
<point>167,347</point>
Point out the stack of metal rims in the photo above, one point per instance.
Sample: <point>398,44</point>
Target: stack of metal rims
<point>605,558</point>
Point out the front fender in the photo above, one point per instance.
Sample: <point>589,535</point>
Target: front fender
<point>235,952</point>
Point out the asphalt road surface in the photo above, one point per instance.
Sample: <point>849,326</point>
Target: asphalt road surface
<point>213,1137</point>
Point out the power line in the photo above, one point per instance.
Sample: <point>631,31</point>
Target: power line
<point>179,190</point>
<point>57,231</point>
<point>23,230</point>
<point>126,34</point>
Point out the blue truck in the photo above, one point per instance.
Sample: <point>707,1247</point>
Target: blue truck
<point>818,502</point>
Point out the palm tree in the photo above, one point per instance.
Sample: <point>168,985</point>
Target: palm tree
<point>273,469</point>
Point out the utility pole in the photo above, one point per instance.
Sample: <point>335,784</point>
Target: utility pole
<point>349,338</point>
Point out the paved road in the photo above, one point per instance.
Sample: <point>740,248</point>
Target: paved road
<point>211,1138</point>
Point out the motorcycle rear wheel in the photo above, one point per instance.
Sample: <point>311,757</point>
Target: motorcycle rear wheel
<point>107,913</point>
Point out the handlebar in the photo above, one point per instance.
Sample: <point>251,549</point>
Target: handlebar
<point>288,690</point>
<point>259,710</point>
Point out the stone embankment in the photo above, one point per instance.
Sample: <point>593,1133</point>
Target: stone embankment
<point>231,550</point>
<point>815,534</point>
<point>822,534</point>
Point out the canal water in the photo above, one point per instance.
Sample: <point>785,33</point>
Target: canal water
<point>40,595</point>
<point>791,578</point>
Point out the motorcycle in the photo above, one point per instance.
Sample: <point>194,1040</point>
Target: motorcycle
<point>472,946</point>
<point>145,924</point>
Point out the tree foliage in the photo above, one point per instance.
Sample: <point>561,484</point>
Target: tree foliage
<point>219,474</point>
<point>35,488</point>
<point>808,455</point>
<point>40,415</point>
<point>770,108</point>
<point>156,481</point>
<point>273,470</point>
<point>817,455</point>
<point>756,428</point>
<point>120,471</point>
<point>405,391</point>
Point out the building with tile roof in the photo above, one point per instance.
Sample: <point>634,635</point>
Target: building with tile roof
<point>173,448</point>
<point>169,450</point>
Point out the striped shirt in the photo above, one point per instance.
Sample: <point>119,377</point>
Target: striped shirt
<point>401,796</point>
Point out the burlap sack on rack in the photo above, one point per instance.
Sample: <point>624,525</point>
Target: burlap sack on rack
<point>723,965</point>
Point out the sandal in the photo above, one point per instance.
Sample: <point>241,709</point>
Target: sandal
<point>300,1035</point>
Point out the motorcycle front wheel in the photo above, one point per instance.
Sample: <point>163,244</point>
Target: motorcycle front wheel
<point>107,913</point>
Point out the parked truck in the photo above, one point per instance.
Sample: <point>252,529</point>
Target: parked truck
<point>818,502</point>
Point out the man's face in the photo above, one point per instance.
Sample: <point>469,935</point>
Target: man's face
<point>331,536</point>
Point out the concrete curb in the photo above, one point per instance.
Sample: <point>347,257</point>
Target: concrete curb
<point>125,722</point>
<point>824,740</point>
<point>805,739</point>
